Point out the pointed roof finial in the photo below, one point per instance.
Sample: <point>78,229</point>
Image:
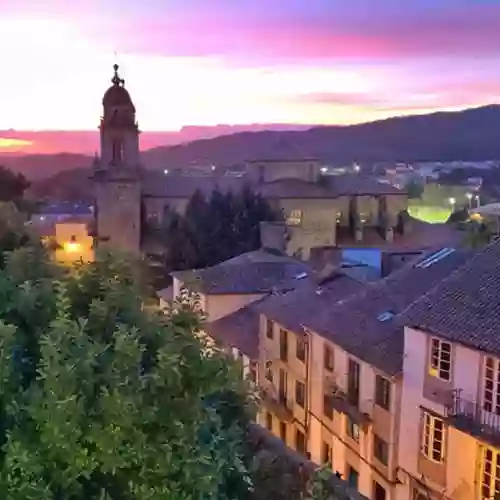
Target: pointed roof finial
<point>116,80</point>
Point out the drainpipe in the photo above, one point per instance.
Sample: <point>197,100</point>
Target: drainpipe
<point>308,388</point>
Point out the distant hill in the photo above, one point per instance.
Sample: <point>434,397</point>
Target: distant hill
<point>469,135</point>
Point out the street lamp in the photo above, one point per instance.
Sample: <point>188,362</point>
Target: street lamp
<point>452,203</point>
<point>469,199</point>
<point>356,167</point>
<point>477,200</point>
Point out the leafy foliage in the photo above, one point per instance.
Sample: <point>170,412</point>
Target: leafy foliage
<point>415,189</point>
<point>476,234</point>
<point>101,398</point>
<point>214,230</point>
<point>12,185</point>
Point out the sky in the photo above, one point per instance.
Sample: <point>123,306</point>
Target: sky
<point>207,62</point>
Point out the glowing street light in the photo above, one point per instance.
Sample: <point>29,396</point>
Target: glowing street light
<point>452,203</point>
<point>469,199</point>
<point>165,171</point>
<point>356,167</point>
<point>324,170</point>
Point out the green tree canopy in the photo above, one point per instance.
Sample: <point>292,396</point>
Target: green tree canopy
<point>101,398</point>
<point>215,229</point>
<point>12,185</point>
<point>415,189</point>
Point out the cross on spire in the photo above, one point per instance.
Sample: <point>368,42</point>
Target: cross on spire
<point>116,80</point>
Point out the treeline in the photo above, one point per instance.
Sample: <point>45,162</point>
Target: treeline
<point>213,229</point>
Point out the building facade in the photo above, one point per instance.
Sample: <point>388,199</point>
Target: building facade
<point>131,201</point>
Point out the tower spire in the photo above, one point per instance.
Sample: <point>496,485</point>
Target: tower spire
<point>116,80</point>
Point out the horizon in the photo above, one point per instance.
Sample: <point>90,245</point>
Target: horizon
<point>320,63</point>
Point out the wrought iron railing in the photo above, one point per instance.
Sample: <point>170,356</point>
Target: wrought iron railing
<point>471,416</point>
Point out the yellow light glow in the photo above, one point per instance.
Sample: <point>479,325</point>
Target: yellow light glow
<point>7,143</point>
<point>72,247</point>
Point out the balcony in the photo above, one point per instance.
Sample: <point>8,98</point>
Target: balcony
<point>277,403</point>
<point>349,405</point>
<point>470,417</point>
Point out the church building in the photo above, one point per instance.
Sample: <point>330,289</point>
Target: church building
<point>319,210</point>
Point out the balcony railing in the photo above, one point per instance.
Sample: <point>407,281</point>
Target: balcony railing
<point>278,403</point>
<point>470,417</point>
<point>348,403</point>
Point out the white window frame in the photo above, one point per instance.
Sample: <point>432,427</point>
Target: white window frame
<point>438,351</point>
<point>490,475</point>
<point>491,385</point>
<point>431,442</point>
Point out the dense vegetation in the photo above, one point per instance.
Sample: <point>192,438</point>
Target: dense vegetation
<point>104,399</point>
<point>215,229</point>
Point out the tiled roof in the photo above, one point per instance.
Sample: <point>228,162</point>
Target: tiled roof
<point>294,308</point>
<point>157,184</point>
<point>245,277</point>
<point>464,308</point>
<point>239,329</point>
<point>366,324</point>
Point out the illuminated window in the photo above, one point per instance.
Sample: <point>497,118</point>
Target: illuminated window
<point>490,474</point>
<point>295,218</point>
<point>491,389</point>
<point>440,359</point>
<point>433,438</point>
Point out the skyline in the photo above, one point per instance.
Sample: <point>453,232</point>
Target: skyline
<point>319,62</point>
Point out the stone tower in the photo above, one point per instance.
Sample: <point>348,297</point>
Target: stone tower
<point>117,172</point>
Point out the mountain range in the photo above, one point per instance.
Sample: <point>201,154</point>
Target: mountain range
<point>468,135</point>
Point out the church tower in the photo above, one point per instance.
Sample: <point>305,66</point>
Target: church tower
<point>117,172</point>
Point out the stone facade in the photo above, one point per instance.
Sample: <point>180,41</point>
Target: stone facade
<point>314,207</point>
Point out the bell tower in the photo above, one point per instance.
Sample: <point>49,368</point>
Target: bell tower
<point>117,172</point>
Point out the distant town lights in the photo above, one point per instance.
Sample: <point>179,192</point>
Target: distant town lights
<point>324,170</point>
<point>165,171</point>
<point>356,167</point>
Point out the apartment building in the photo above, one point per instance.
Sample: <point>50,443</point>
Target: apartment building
<point>229,293</point>
<point>331,364</point>
<point>449,444</point>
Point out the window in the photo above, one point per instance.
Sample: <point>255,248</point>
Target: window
<point>382,392</point>
<point>440,359</point>
<point>269,329</point>
<point>353,382</point>
<point>252,373</point>
<point>269,421</point>
<point>301,349</point>
<point>327,406</point>
<point>491,389</point>
<point>300,393</point>
<point>380,450</point>
<point>328,358</point>
<point>352,477</point>
<point>490,474</point>
<point>352,429</point>
<point>300,441</point>
<point>326,453</point>
<point>283,431</point>
<point>269,371</point>
<point>295,218</point>
<point>433,438</point>
<point>283,345</point>
<point>378,492</point>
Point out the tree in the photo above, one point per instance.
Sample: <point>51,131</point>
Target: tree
<point>12,185</point>
<point>415,189</point>
<point>476,234</point>
<point>102,399</point>
<point>214,230</point>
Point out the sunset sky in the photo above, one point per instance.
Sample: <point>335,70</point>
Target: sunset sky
<point>203,62</point>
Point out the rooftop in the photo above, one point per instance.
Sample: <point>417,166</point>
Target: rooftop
<point>366,323</point>
<point>465,307</point>
<point>159,184</point>
<point>250,273</point>
<point>239,329</point>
